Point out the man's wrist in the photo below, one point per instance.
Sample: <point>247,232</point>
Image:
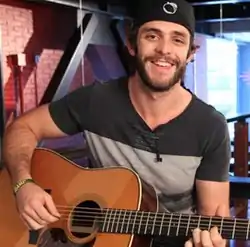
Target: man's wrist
<point>19,175</point>
<point>18,185</point>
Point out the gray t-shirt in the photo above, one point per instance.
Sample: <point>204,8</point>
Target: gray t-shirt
<point>194,145</point>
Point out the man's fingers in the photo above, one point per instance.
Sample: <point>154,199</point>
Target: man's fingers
<point>45,215</point>
<point>51,207</point>
<point>38,213</point>
<point>32,214</point>
<point>206,239</point>
<point>216,238</point>
<point>30,223</point>
<point>197,237</point>
<point>32,202</point>
<point>189,243</point>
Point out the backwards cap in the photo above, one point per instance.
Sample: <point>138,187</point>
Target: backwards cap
<point>177,11</point>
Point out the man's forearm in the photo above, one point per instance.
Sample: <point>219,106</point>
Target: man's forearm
<point>18,146</point>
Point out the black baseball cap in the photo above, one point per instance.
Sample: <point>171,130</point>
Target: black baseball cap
<point>177,11</point>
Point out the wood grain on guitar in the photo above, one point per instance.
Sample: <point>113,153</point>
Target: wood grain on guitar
<point>109,207</point>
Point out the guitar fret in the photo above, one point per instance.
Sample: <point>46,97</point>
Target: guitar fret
<point>187,229</point>
<point>153,228</point>
<point>135,217</point>
<point>104,222</point>
<point>113,221</point>
<point>169,224</point>
<point>130,213</point>
<point>199,221</point>
<point>221,225</point>
<point>124,217</point>
<point>233,233</point>
<point>210,222</point>
<point>241,229</point>
<point>118,221</point>
<point>162,220</point>
<point>228,226</point>
<point>146,227</point>
<point>109,219</point>
<point>178,226</point>
<point>140,224</point>
<point>247,229</point>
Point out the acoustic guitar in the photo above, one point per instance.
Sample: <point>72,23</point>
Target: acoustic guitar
<point>109,207</point>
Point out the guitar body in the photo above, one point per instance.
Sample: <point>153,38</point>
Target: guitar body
<point>71,186</point>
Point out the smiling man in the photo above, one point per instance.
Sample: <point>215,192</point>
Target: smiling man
<point>147,122</point>
<point>159,66</point>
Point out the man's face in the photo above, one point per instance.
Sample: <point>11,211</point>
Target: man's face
<point>162,54</point>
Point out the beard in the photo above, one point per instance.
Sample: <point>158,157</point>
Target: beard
<point>159,86</point>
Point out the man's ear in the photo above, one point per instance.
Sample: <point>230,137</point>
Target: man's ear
<point>128,42</point>
<point>192,52</point>
<point>130,47</point>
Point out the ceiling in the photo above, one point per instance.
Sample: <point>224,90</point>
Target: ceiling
<point>205,10</point>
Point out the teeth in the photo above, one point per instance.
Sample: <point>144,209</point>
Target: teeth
<point>162,64</point>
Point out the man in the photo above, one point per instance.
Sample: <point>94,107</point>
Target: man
<point>147,122</point>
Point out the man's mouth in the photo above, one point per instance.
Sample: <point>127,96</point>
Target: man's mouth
<point>163,64</point>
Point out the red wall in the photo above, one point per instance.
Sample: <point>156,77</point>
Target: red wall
<point>33,29</point>
<point>39,29</point>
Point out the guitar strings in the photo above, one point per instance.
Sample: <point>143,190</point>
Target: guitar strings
<point>150,217</point>
<point>136,222</point>
<point>144,219</point>
<point>111,211</point>
<point>156,223</point>
<point>139,227</point>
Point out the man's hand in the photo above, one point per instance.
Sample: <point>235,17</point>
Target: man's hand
<point>36,207</point>
<point>210,238</point>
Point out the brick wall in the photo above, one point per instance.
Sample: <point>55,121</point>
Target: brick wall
<point>37,29</point>
<point>33,29</point>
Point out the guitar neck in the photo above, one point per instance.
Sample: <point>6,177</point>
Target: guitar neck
<point>168,224</point>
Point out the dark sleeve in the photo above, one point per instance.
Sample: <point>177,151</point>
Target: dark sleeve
<point>216,159</point>
<point>69,112</point>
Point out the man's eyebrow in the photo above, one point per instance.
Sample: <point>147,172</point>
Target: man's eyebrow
<point>151,29</point>
<point>159,32</point>
<point>178,33</point>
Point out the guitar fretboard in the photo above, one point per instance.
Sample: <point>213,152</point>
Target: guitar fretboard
<point>151,223</point>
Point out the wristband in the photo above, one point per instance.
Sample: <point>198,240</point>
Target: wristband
<point>22,182</point>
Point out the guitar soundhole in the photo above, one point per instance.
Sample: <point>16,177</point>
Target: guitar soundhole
<point>83,219</point>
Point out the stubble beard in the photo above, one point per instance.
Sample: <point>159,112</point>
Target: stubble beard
<point>159,86</point>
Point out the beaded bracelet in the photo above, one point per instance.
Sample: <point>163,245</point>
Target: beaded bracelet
<point>20,184</point>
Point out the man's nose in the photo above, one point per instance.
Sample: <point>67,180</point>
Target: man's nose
<point>164,47</point>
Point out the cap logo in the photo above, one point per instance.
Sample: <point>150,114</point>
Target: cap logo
<point>170,8</point>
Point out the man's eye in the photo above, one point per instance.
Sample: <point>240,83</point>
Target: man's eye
<point>180,41</point>
<point>151,37</point>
